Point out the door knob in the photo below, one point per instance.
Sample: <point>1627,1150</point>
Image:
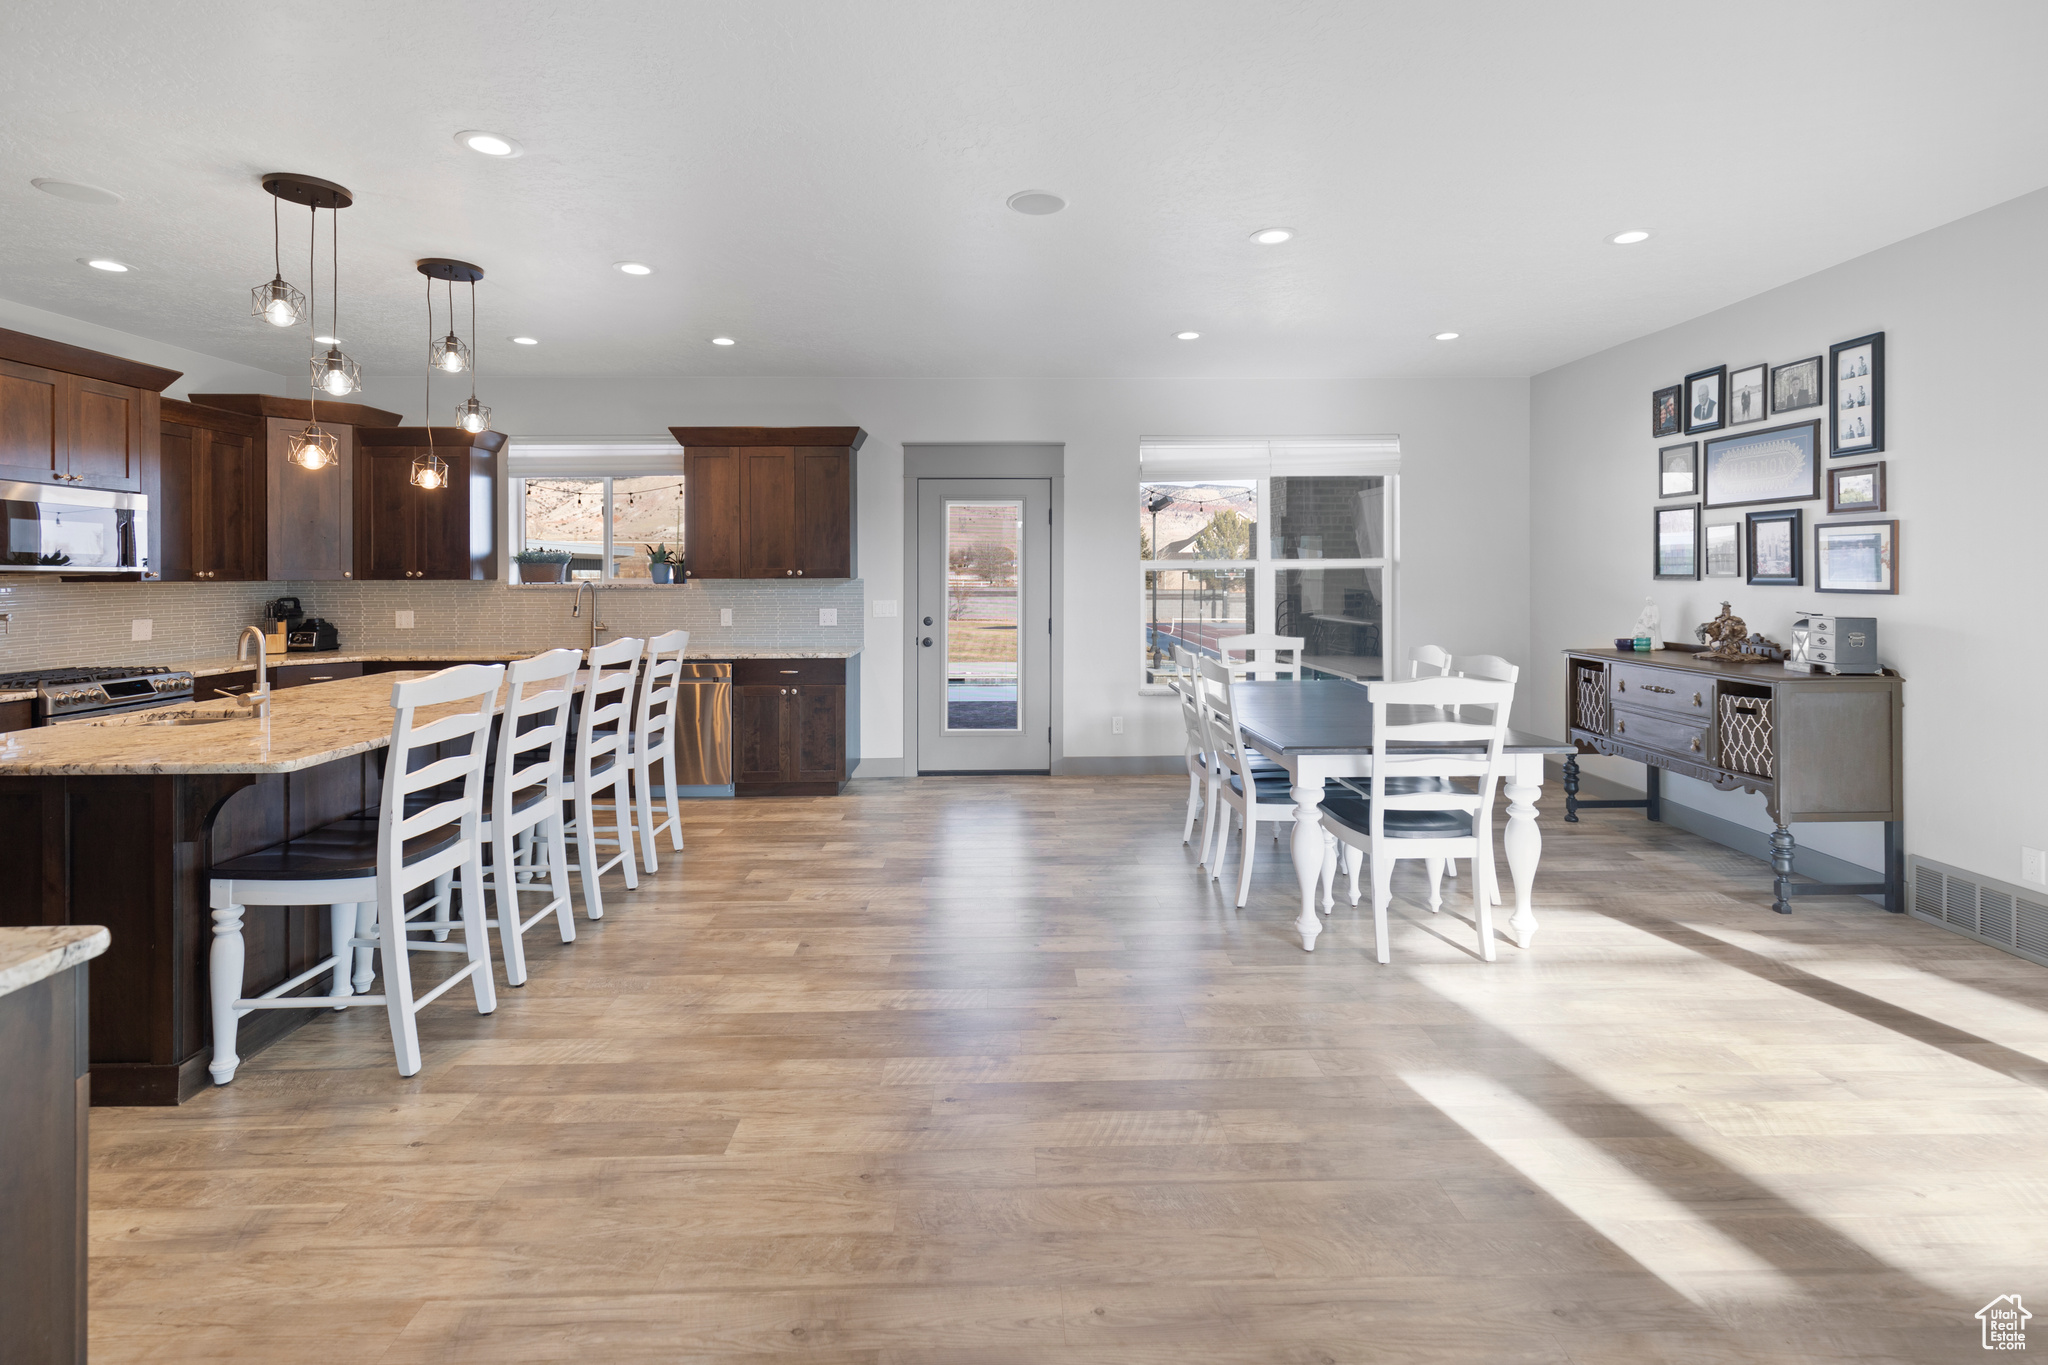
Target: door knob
<point>927,620</point>
<point>926,642</point>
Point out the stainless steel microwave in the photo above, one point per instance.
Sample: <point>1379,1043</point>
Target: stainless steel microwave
<point>49,529</point>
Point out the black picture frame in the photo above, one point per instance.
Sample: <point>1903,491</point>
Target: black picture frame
<point>1750,378</point>
<point>1686,454</point>
<point>1685,524</point>
<point>1825,556</point>
<point>1796,385</point>
<point>1665,411</point>
<point>1729,545</point>
<point>1753,470</point>
<point>1792,520</point>
<point>1838,473</point>
<point>1694,401</point>
<point>1856,401</point>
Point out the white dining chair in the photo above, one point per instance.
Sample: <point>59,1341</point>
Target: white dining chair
<point>1184,681</point>
<point>653,740</point>
<point>1274,667</point>
<point>1239,786</point>
<point>1389,824</point>
<point>1428,661</point>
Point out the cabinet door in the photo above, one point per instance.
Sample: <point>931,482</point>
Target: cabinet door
<point>106,435</point>
<point>762,740</point>
<point>386,516</point>
<point>711,513</point>
<point>223,685</point>
<point>768,512</point>
<point>227,508</point>
<point>35,427</point>
<point>820,734</point>
<point>309,514</point>
<point>441,522</point>
<point>824,499</point>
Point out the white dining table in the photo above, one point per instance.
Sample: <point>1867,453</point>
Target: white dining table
<point>1323,729</point>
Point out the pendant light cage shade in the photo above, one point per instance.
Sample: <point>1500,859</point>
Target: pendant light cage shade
<point>277,303</point>
<point>472,416</point>
<point>430,472</point>
<point>313,448</point>
<point>450,355</point>
<point>335,375</point>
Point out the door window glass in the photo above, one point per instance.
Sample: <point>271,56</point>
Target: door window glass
<point>984,606</point>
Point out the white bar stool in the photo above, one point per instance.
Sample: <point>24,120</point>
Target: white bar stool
<point>654,740</point>
<point>525,793</point>
<point>597,768</point>
<point>362,868</point>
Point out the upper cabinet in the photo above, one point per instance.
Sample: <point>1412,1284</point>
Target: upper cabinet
<point>769,502</point>
<point>69,415</point>
<point>405,531</point>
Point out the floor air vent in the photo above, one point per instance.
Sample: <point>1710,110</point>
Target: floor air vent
<point>2005,916</point>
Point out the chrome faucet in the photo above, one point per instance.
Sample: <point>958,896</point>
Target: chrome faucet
<point>257,701</point>
<point>595,624</point>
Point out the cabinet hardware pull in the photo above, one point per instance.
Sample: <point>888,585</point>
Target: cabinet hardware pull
<point>1695,744</point>
<point>799,573</point>
<point>1621,727</point>
<point>1652,687</point>
<point>1696,699</point>
<point>1621,684</point>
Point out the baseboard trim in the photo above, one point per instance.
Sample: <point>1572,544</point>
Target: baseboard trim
<point>878,767</point>
<point>1120,765</point>
<point>1806,862</point>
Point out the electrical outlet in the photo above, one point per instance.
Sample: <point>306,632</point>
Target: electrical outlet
<point>2034,866</point>
<point>141,630</point>
<point>404,621</point>
<point>885,608</point>
<point>828,616</point>
<point>725,616</point>
<point>1116,725</point>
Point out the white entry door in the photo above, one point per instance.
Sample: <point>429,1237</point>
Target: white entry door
<point>983,625</point>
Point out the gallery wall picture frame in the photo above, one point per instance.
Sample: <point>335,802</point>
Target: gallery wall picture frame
<point>1777,464</point>
<point>1678,470</point>
<point>1723,549</point>
<point>1664,411</point>
<point>1856,488</point>
<point>1676,545</point>
<point>1706,400</point>
<point>1774,548</point>
<point>1796,385</point>
<point>1856,556</point>
<point>1856,396</point>
<point>1747,400</point>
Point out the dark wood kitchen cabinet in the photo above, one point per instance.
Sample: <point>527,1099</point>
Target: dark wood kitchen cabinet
<point>405,531</point>
<point>795,726</point>
<point>210,520</point>
<point>769,502</point>
<point>73,416</point>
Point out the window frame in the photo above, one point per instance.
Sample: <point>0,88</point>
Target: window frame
<point>599,459</point>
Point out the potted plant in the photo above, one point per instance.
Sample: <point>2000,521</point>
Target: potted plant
<point>661,562</point>
<point>542,565</point>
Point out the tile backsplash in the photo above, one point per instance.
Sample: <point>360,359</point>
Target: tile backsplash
<point>60,624</point>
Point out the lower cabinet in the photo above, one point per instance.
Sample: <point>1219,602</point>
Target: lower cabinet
<point>791,730</point>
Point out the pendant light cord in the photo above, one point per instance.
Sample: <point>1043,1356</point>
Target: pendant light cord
<point>427,413</point>
<point>334,260</point>
<point>276,246</point>
<point>472,340</point>
<point>313,307</point>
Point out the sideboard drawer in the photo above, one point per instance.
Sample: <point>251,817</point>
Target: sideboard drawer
<point>1667,734</point>
<point>1664,689</point>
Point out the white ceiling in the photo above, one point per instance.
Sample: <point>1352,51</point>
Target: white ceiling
<point>825,181</point>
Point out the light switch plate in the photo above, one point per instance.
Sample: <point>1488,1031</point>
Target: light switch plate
<point>828,616</point>
<point>141,630</point>
<point>885,608</point>
<point>1116,725</point>
<point>404,621</point>
<point>2034,866</point>
<point>725,616</point>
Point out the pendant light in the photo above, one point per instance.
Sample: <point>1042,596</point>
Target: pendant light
<point>470,415</point>
<point>334,374</point>
<point>277,303</point>
<point>314,448</point>
<point>450,356</point>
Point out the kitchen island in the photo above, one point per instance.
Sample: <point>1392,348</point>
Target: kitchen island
<point>116,824</point>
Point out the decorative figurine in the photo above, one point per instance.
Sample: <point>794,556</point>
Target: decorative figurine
<point>1733,642</point>
<point>1649,626</point>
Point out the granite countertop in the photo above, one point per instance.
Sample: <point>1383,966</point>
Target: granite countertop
<point>308,726</point>
<point>29,955</point>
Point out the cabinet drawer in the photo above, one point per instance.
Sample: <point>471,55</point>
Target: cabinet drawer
<point>300,675</point>
<point>1663,689</point>
<point>1668,734</point>
<point>786,672</point>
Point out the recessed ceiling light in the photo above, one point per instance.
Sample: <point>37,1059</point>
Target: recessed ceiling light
<point>1037,203</point>
<point>1187,336</point>
<point>77,193</point>
<point>633,268</point>
<point>526,341</point>
<point>106,263</point>
<point>328,341</point>
<point>1446,336</point>
<point>490,144</point>
<point>1272,236</point>
<point>723,341</point>
<point>1629,238</point>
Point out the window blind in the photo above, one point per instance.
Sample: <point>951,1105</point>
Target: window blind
<point>591,458</point>
<point>1198,457</point>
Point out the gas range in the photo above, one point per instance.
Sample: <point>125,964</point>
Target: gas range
<point>88,693</point>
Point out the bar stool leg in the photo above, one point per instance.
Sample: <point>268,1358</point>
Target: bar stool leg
<point>397,964</point>
<point>668,786</point>
<point>643,807</point>
<point>476,938</point>
<point>442,922</point>
<point>586,853</point>
<point>341,926</point>
<point>505,890</point>
<point>558,875</point>
<point>366,927</point>
<point>224,973</point>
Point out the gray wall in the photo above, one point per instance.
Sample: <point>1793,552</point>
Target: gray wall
<point>1961,308</point>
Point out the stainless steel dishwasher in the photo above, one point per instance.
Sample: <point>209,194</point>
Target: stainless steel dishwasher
<point>703,724</point>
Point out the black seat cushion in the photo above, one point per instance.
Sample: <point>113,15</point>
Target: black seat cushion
<point>345,848</point>
<point>1270,789</point>
<point>1355,813</point>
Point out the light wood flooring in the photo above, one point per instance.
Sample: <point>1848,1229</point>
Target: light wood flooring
<point>983,1070</point>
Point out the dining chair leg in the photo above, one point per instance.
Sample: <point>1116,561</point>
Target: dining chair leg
<point>1354,858</point>
<point>1482,912</point>
<point>1435,869</point>
<point>1207,862</point>
<point>341,927</point>
<point>1327,881</point>
<point>1382,894</point>
<point>1187,831</point>
<point>1244,871</point>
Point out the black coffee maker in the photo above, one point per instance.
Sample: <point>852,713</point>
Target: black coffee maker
<point>303,634</point>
